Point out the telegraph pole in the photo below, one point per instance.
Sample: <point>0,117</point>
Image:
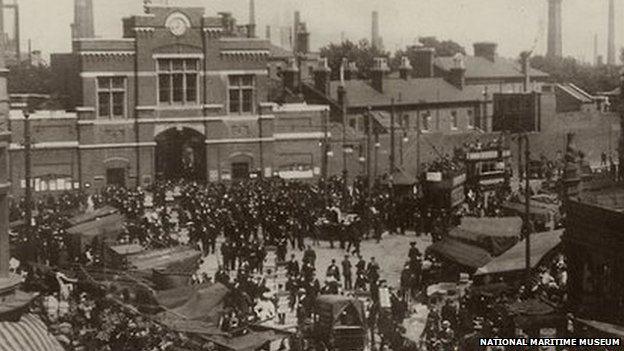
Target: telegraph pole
<point>260,144</point>
<point>343,114</point>
<point>527,206</point>
<point>392,140</point>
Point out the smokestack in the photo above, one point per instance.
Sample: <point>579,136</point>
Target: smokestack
<point>554,29</point>
<point>375,40</point>
<point>611,34</point>
<point>83,26</point>
<point>596,49</point>
<point>296,31</point>
<point>267,33</point>
<point>5,138</point>
<point>251,27</point>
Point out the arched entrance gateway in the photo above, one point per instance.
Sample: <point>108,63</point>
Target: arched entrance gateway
<point>180,154</point>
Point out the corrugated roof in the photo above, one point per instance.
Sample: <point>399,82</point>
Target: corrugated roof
<point>515,258</point>
<point>479,67</point>
<point>360,93</point>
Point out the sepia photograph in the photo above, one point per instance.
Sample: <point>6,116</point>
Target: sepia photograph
<point>298,175</point>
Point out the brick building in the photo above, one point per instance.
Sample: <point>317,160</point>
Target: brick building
<point>181,94</point>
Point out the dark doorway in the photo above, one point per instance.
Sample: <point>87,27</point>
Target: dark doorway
<point>240,170</point>
<point>116,177</point>
<point>181,154</point>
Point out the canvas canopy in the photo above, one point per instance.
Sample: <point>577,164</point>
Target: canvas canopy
<point>251,341</point>
<point>495,235</point>
<point>331,306</point>
<point>539,211</point>
<point>180,259</point>
<point>203,304</point>
<point>93,215</point>
<point>29,333</point>
<point>461,253</point>
<point>515,258</point>
<point>105,228</point>
<point>606,328</point>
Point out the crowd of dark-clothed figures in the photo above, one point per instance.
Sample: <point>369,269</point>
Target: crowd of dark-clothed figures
<point>250,217</point>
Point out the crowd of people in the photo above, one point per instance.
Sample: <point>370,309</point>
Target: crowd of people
<point>241,222</point>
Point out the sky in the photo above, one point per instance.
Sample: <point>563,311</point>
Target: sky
<point>516,25</point>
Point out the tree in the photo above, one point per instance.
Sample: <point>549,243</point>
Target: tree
<point>567,70</point>
<point>362,53</point>
<point>442,48</point>
<point>27,79</point>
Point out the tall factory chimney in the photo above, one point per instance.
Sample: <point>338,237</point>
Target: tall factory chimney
<point>554,29</point>
<point>251,30</point>
<point>295,33</point>
<point>596,49</point>
<point>5,139</point>
<point>611,34</point>
<point>375,38</point>
<point>83,26</point>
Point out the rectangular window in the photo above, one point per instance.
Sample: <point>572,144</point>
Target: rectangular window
<point>178,81</point>
<point>454,120</point>
<point>241,93</point>
<point>406,122</point>
<point>111,97</point>
<point>426,122</point>
<point>471,119</point>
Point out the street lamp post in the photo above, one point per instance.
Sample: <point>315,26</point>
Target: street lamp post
<point>392,141</point>
<point>343,114</point>
<point>527,207</point>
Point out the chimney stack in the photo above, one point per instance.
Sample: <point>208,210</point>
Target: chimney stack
<point>611,34</point>
<point>485,50</point>
<point>554,29</point>
<point>291,76</point>
<point>251,27</point>
<point>405,69</point>
<point>378,71</point>
<point>375,31</point>
<point>322,76</point>
<point>267,33</point>
<point>423,62</point>
<point>5,138</point>
<point>297,21</point>
<point>83,26</point>
<point>351,71</point>
<point>457,74</point>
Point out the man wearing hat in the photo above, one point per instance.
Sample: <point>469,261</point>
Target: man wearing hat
<point>413,254</point>
<point>346,273</point>
<point>333,271</point>
<point>470,342</point>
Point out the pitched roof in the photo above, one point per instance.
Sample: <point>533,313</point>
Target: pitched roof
<point>479,67</point>
<point>576,93</point>
<point>280,52</point>
<point>360,93</point>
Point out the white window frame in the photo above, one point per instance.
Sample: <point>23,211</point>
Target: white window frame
<point>171,73</point>
<point>110,90</point>
<point>471,119</point>
<point>425,122</point>
<point>241,88</point>
<point>454,120</point>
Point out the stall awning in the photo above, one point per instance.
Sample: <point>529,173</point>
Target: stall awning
<point>91,216</point>
<point>542,212</point>
<point>179,260</point>
<point>461,253</point>
<point>495,235</point>
<point>610,329</point>
<point>251,341</point>
<point>29,333</point>
<point>201,304</point>
<point>109,227</point>
<point>515,258</point>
